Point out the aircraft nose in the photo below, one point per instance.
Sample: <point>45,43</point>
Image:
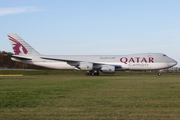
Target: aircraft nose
<point>172,63</point>
<point>175,62</point>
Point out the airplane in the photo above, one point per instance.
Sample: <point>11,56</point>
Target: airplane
<point>91,63</point>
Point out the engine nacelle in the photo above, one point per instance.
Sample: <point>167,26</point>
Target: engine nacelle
<point>108,69</point>
<point>85,66</point>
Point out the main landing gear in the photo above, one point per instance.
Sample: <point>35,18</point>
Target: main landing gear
<point>92,73</point>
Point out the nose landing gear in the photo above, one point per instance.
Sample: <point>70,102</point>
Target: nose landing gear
<point>92,73</point>
<point>159,73</point>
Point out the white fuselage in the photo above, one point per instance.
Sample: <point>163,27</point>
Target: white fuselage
<point>149,61</point>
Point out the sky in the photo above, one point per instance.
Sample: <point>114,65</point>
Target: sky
<point>93,27</point>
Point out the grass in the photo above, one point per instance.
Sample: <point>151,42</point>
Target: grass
<point>82,97</point>
<point>42,72</point>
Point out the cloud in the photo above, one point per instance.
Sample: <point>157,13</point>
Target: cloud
<point>16,10</point>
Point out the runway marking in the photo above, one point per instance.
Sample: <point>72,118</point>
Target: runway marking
<point>10,75</point>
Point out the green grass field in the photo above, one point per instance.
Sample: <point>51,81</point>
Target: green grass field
<point>90,97</point>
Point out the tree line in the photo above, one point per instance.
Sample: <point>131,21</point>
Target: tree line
<point>6,62</point>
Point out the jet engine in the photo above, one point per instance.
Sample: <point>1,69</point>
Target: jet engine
<point>85,66</point>
<point>108,69</point>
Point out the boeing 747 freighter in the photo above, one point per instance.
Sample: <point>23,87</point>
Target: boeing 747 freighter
<point>90,63</point>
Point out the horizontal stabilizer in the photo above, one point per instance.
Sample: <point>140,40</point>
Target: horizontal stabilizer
<point>18,57</point>
<point>21,58</point>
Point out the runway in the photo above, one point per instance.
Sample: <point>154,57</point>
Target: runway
<point>88,76</point>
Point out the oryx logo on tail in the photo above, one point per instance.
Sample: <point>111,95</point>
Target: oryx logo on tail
<point>17,46</point>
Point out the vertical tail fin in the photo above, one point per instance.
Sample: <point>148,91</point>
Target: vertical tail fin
<point>19,46</point>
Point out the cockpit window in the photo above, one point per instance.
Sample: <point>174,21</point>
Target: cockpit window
<point>164,55</point>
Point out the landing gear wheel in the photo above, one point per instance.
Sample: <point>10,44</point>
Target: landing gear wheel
<point>93,73</point>
<point>97,73</point>
<point>159,74</point>
<point>90,73</point>
<point>87,73</point>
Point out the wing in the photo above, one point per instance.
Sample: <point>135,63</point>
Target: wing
<point>76,62</point>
